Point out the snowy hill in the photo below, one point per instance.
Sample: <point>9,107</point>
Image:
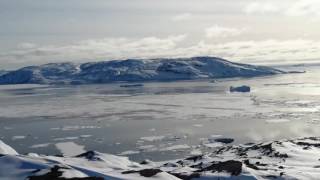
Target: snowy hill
<point>2,72</point>
<point>287,159</point>
<point>134,70</point>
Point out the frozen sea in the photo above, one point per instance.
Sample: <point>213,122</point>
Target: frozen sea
<point>160,120</point>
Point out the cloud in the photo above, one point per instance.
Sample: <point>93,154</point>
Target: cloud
<point>256,52</point>
<point>182,17</point>
<point>222,32</point>
<point>293,8</point>
<point>92,50</point>
<point>309,8</point>
<point>26,45</point>
<point>270,51</point>
<point>261,8</point>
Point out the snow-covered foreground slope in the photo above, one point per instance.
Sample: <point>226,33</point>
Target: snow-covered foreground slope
<point>133,70</point>
<point>287,159</point>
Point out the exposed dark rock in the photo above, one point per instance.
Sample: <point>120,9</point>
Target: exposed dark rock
<point>170,165</point>
<point>55,174</point>
<point>281,155</point>
<point>224,140</point>
<point>265,148</point>
<point>149,172</point>
<point>249,165</point>
<point>131,85</point>
<point>197,166</point>
<point>306,148</point>
<point>232,167</point>
<point>271,177</point>
<point>260,164</point>
<point>144,172</point>
<point>146,161</point>
<point>306,144</point>
<point>195,158</point>
<point>223,149</point>
<point>90,155</point>
<point>185,176</point>
<point>240,89</point>
<point>180,162</point>
<point>130,172</point>
<point>242,154</point>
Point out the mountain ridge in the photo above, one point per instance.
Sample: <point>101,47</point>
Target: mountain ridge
<point>134,70</point>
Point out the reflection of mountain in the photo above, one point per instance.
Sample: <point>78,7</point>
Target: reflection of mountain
<point>134,70</point>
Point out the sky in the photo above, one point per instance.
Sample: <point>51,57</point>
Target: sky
<point>265,32</point>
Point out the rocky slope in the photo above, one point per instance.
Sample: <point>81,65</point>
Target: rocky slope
<point>286,159</point>
<point>134,70</point>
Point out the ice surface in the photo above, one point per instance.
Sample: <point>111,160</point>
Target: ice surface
<point>277,120</point>
<point>70,148</point>
<point>40,145</point>
<point>152,138</point>
<point>118,117</point>
<point>18,137</point>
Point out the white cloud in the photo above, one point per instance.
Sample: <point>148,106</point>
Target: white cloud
<point>309,8</point>
<point>258,52</point>
<point>295,8</point>
<point>26,45</point>
<point>182,17</point>
<point>261,8</point>
<point>92,50</point>
<point>222,32</point>
<point>270,51</point>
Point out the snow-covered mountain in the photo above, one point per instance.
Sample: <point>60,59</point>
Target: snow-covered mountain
<point>2,72</point>
<point>134,70</point>
<point>286,159</point>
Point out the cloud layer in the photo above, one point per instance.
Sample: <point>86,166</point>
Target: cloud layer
<point>222,32</point>
<point>182,17</point>
<point>78,30</point>
<point>309,8</point>
<point>293,8</point>
<point>258,52</point>
<point>261,8</point>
